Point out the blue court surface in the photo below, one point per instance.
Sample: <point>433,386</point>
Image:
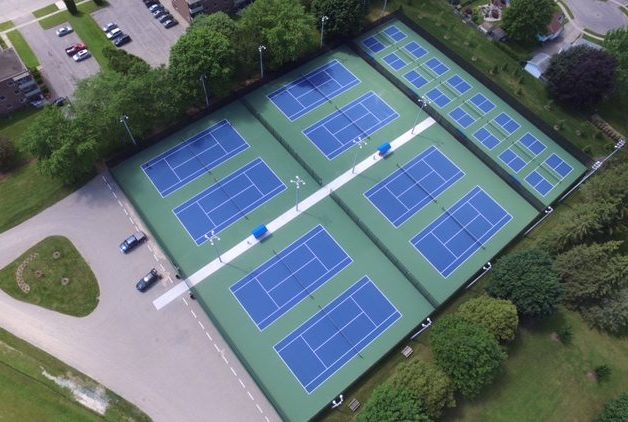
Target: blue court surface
<point>415,49</point>
<point>507,123</point>
<point>410,188</point>
<point>395,33</point>
<point>559,165</point>
<point>335,134</point>
<point>438,67</point>
<point>518,155</point>
<point>196,156</point>
<point>453,238</point>
<point>337,333</point>
<point>314,89</point>
<point>394,61</point>
<point>459,84</point>
<point>282,282</point>
<point>487,139</point>
<point>415,78</point>
<point>392,34</point>
<point>482,103</point>
<point>532,144</point>
<point>229,200</point>
<point>438,97</point>
<point>461,117</point>
<point>539,183</point>
<point>513,160</point>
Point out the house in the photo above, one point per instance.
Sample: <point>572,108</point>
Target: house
<point>554,29</point>
<point>17,86</point>
<point>538,65</point>
<point>191,8</point>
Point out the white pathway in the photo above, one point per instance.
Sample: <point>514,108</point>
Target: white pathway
<point>286,217</point>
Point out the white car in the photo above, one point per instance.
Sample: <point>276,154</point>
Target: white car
<point>109,27</point>
<point>81,55</point>
<point>64,30</point>
<point>113,33</point>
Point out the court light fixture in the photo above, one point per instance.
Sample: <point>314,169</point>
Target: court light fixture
<point>297,182</point>
<point>203,79</point>
<point>125,121</point>
<point>359,143</point>
<point>423,102</point>
<point>323,20</point>
<point>261,50</point>
<point>213,240</point>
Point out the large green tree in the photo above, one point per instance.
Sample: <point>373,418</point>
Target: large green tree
<point>616,42</point>
<point>218,22</point>
<point>525,19</point>
<point>615,410</point>
<point>123,62</point>
<point>428,382</point>
<point>390,404</point>
<point>498,316</point>
<point>345,17</point>
<point>282,26</point>
<point>528,280</point>
<point>467,352</point>
<point>610,314</point>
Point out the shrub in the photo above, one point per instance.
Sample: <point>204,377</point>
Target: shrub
<point>616,410</point>
<point>392,404</point>
<point>7,154</point>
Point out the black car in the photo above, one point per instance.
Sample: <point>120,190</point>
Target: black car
<point>170,23</point>
<point>132,242</point>
<point>162,12</point>
<point>165,18</point>
<point>148,280</point>
<point>121,40</point>
<point>59,102</point>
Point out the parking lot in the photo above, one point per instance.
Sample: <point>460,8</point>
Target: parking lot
<point>151,41</point>
<point>58,69</point>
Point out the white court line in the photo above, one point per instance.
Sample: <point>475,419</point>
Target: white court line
<point>273,226</point>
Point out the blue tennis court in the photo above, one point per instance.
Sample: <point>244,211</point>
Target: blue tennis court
<point>314,89</point>
<point>519,154</point>
<point>229,200</point>
<point>539,183</point>
<point>438,97</point>
<point>532,144</point>
<point>459,232</point>
<point>335,134</point>
<point>513,160</point>
<point>282,282</point>
<point>487,139</point>
<point>461,117</point>
<point>482,103</point>
<point>395,33</point>
<point>415,78</point>
<point>194,157</point>
<point>436,66</point>
<point>558,165</point>
<point>507,123</point>
<point>410,188</point>
<point>459,84</point>
<point>392,34</point>
<point>415,49</point>
<point>394,61</point>
<point>337,333</point>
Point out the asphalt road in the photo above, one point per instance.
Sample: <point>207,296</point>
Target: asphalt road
<point>12,9</point>
<point>597,15</point>
<point>172,363</point>
<point>58,69</point>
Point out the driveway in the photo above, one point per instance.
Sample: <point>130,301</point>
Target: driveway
<point>597,15</point>
<point>151,41</point>
<point>172,363</point>
<point>12,9</point>
<point>58,69</point>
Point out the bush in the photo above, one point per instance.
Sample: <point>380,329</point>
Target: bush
<point>392,404</point>
<point>499,317</point>
<point>615,410</point>
<point>602,373</point>
<point>565,334</point>
<point>7,154</point>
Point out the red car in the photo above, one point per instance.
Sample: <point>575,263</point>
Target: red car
<point>75,48</point>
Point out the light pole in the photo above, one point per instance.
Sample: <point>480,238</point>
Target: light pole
<point>203,79</point>
<point>360,143</point>
<point>124,120</point>
<point>213,240</point>
<point>423,101</point>
<point>298,182</point>
<point>261,50</point>
<point>323,20</point>
<point>384,8</point>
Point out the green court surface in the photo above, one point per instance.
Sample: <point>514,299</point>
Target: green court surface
<point>255,348</point>
<point>505,147</point>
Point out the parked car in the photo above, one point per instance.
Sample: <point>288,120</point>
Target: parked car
<point>159,13</point>
<point>148,280</point>
<point>149,3</point>
<point>75,48</point>
<point>64,30</point>
<point>114,33</point>
<point>109,27</point>
<point>170,23</point>
<point>132,242</point>
<point>155,7</point>
<point>81,55</point>
<point>59,102</point>
<point>166,17</point>
<point>121,40</point>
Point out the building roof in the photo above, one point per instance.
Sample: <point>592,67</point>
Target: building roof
<point>10,64</point>
<point>538,64</point>
<point>556,24</point>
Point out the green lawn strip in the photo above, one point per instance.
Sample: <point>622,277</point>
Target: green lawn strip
<point>44,274</point>
<point>591,39</point>
<point>6,25</point>
<point>624,9</point>
<point>51,8</point>
<point>27,395</point>
<point>61,17</point>
<point>90,33</point>
<point>590,32</point>
<point>23,49</point>
<point>567,9</point>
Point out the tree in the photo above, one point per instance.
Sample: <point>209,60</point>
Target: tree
<point>616,410</point>
<point>428,382</point>
<point>581,77</point>
<point>64,150</point>
<point>610,186</point>
<point>7,154</point>
<point>616,42</point>
<point>389,404</point>
<point>467,352</point>
<point>610,315</point>
<point>71,6</point>
<point>590,273</point>
<point>280,25</point>
<point>123,62</point>
<point>525,19</point>
<point>527,279</point>
<point>498,316</point>
<point>218,22</point>
<point>346,17</point>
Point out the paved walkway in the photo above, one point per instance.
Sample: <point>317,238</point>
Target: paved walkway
<point>173,364</point>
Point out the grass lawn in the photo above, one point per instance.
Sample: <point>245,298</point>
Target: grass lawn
<point>51,8</point>
<point>23,49</point>
<point>6,25</point>
<point>27,395</point>
<point>43,272</point>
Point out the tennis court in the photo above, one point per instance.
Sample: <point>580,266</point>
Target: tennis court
<point>554,168</point>
<point>229,200</point>
<point>359,119</point>
<point>460,231</point>
<point>313,89</point>
<point>279,284</point>
<point>520,153</point>
<point>384,38</point>
<point>338,333</point>
<point>414,185</point>
<point>194,157</point>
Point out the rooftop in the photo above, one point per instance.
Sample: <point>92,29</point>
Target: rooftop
<point>10,64</point>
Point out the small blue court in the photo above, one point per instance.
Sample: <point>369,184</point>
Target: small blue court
<point>337,333</point>
<point>507,123</point>
<point>439,68</point>
<point>455,236</point>
<point>282,282</point>
<point>415,78</point>
<point>229,200</point>
<point>553,165</point>
<point>483,104</point>
<point>461,117</point>
<point>336,133</point>
<point>392,35</point>
<point>314,89</point>
<point>438,97</point>
<point>415,49</point>
<point>486,138</point>
<point>459,84</point>
<point>394,61</point>
<point>194,157</point>
<point>519,154</point>
<point>410,188</point>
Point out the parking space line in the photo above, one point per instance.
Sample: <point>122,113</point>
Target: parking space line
<point>201,324</point>
<point>233,371</point>
<point>241,383</point>
<point>250,395</point>
<point>208,336</point>
<point>216,347</point>
<point>193,314</point>
<point>259,408</point>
